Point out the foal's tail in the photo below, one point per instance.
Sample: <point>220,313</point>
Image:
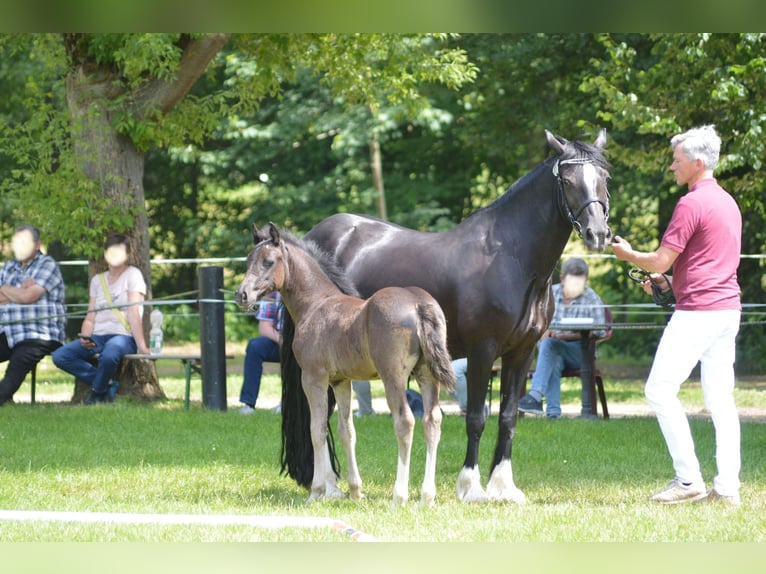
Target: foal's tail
<point>432,332</point>
<point>297,457</point>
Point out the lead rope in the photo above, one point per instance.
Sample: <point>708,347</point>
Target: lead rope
<point>660,297</point>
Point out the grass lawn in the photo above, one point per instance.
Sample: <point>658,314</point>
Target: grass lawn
<point>586,481</point>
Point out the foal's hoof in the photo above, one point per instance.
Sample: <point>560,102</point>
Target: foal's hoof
<point>427,499</point>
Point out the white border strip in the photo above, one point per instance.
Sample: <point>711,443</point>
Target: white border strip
<point>207,520</point>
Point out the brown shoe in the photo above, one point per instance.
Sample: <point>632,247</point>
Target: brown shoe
<point>714,496</point>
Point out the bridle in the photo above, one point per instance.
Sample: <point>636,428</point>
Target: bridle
<point>562,198</point>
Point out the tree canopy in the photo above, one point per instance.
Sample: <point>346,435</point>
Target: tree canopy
<point>279,127</point>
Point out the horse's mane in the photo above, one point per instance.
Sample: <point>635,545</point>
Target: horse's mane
<point>325,261</point>
<point>580,149</point>
<point>572,150</point>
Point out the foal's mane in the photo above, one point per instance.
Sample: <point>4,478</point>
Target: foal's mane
<point>326,262</point>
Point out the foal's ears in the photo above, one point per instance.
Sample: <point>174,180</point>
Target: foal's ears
<point>259,236</point>
<point>274,233</point>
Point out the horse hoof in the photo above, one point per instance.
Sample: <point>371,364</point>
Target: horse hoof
<point>334,492</point>
<point>399,500</point>
<point>469,487</point>
<point>356,494</point>
<point>501,486</point>
<point>474,495</point>
<point>427,500</point>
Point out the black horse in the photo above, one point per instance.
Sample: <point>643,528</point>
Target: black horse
<point>491,274</point>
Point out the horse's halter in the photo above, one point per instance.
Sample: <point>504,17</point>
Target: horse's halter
<point>562,198</point>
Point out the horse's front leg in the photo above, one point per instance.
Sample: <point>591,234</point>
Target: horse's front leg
<point>324,483</point>
<point>501,486</point>
<point>479,370</point>
<point>404,427</point>
<point>347,435</point>
<point>432,429</point>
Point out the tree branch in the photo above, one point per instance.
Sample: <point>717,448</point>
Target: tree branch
<point>162,95</point>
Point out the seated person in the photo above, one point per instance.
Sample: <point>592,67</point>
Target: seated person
<point>112,327</point>
<point>559,350</point>
<point>261,349</point>
<point>460,394</point>
<point>363,398</point>
<point>32,312</point>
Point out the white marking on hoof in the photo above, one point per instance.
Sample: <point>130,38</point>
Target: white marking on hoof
<point>469,486</point>
<point>501,486</point>
<point>427,498</point>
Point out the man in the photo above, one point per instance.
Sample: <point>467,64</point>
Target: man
<point>702,244</point>
<point>261,349</point>
<point>559,349</point>
<point>32,320</point>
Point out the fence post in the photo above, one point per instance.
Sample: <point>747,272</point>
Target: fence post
<point>212,337</point>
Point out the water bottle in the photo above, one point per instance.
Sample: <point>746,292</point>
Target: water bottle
<point>155,334</point>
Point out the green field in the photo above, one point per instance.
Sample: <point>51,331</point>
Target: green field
<point>586,481</point>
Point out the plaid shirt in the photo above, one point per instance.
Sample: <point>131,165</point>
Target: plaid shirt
<point>271,309</point>
<point>45,318</point>
<point>587,305</point>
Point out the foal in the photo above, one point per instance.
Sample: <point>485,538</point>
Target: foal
<point>396,332</point>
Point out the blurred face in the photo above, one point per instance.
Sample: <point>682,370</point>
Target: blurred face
<point>573,285</point>
<point>685,170</point>
<point>116,255</point>
<point>24,246</point>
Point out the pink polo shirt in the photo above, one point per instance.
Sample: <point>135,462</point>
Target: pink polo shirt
<point>706,232</point>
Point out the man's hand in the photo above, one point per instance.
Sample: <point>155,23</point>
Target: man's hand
<point>621,248</point>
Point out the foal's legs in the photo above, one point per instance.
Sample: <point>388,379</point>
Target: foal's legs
<point>347,435</point>
<point>432,429</point>
<point>404,426</point>
<point>324,484</point>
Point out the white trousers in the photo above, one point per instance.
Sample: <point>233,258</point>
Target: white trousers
<point>707,337</point>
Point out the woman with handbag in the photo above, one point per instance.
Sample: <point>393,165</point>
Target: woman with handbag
<point>112,327</point>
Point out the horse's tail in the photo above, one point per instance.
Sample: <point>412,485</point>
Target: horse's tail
<point>432,332</point>
<point>297,456</point>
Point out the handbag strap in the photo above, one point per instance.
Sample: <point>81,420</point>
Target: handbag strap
<point>108,297</point>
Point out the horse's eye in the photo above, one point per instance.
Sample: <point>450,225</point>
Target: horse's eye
<point>268,263</point>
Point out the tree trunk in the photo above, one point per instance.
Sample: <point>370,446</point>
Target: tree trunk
<point>113,162</point>
<point>377,176</point>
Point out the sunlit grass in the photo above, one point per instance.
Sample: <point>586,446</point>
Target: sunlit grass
<point>585,481</point>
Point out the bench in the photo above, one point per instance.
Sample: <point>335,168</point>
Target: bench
<point>191,362</point>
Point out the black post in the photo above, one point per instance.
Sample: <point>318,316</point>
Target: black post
<point>212,338</point>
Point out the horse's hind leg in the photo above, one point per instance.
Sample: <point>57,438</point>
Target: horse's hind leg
<point>404,426</point>
<point>347,435</point>
<point>432,429</point>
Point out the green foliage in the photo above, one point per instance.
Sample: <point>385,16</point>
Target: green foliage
<point>279,128</point>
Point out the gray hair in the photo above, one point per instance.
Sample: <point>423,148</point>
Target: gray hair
<point>31,228</point>
<point>700,143</point>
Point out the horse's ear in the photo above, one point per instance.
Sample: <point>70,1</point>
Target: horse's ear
<point>256,234</point>
<point>274,232</point>
<point>555,142</point>
<point>601,138</point>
